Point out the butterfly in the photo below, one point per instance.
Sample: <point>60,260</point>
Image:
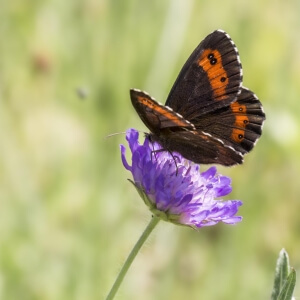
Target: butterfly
<point>209,117</point>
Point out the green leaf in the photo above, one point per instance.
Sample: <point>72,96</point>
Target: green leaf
<point>288,287</point>
<point>281,273</point>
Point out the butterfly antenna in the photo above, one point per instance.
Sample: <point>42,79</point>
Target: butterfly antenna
<point>113,134</point>
<point>123,132</point>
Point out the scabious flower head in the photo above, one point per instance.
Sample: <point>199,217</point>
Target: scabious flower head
<point>178,192</point>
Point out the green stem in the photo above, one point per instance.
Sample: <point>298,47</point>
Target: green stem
<point>131,257</point>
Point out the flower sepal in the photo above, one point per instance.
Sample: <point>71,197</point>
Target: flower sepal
<point>165,216</point>
<point>142,194</point>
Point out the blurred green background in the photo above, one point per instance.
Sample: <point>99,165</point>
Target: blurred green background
<point>68,216</point>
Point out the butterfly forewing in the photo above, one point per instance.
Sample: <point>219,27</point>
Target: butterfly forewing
<point>211,78</point>
<point>156,117</point>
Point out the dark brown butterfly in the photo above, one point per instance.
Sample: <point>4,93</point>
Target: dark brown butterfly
<point>209,117</point>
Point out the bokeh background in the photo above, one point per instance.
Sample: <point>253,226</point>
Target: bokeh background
<point>68,215</point>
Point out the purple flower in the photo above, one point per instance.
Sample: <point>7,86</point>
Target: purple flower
<point>178,192</point>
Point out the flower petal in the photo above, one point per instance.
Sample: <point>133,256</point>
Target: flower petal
<point>124,161</point>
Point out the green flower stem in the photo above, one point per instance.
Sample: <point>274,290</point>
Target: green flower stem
<point>131,257</point>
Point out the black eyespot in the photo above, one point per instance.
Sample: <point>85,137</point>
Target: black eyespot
<point>240,109</point>
<point>246,121</point>
<point>213,61</point>
<point>210,56</point>
<point>240,136</point>
<point>223,79</point>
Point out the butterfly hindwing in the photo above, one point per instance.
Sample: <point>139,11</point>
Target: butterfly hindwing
<point>239,125</point>
<point>200,147</point>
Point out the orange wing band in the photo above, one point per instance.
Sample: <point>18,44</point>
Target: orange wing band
<point>211,62</point>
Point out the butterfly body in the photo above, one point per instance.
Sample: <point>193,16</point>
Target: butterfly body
<point>209,117</point>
